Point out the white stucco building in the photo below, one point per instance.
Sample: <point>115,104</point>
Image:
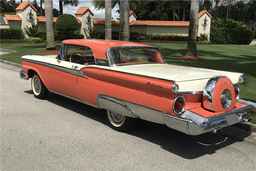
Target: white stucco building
<point>26,15</point>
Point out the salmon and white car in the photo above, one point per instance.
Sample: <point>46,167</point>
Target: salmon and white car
<point>132,81</point>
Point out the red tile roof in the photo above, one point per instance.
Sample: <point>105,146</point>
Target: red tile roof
<point>12,17</point>
<point>131,12</point>
<point>79,21</point>
<point>202,13</point>
<point>23,5</point>
<point>82,10</point>
<point>159,23</point>
<point>42,19</point>
<point>98,21</point>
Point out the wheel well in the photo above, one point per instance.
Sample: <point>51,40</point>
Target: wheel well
<point>31,73</point>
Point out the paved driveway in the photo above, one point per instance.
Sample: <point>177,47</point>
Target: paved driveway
<point>61,134</point>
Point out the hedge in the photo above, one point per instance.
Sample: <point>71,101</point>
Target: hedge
<point>231,36</point>
<point>11,33</point>
<point>64,37</point>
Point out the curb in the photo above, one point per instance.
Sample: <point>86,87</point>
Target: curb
<point>245,131</point>
<point>10,63</point>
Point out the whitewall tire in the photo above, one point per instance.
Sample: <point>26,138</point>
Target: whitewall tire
<point>38,87</point>
<point>120,122</point>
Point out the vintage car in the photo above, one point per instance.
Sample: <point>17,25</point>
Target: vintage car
<point>132,81</point>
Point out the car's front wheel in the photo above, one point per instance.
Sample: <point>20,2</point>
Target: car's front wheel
<point>38,87</point>
<point>120,122</point>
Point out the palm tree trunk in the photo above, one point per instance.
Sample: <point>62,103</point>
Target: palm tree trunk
<point>61,7</point>
<point>124,30</point>
<point>192,35</point>
<point>48,5</point>
<point>108,23</point>
<point>41,7</point>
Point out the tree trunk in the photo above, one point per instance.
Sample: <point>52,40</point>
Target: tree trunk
<point>108,24</point>
<point>192,35</point>
<point>61,7</point>
<point>48,5</point>
<point>124,31</point>
<point>41,7</point>
<point>184,12</point>
<point>173,14</point>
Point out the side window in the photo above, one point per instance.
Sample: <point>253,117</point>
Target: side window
<point>79,54</point>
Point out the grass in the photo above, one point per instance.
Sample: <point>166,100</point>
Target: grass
<point>236,58</point>
<point>24,49</point>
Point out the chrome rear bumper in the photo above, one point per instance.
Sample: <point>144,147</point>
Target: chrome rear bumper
<point>197,125</point>
<point>23,75</point>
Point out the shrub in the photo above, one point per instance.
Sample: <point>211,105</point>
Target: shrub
<point>12,33</point>
<point>66,24</point>
<point>32,31</point>
<point>34,40</point>
<point>92,33</point>
<point>13,40</point>
<point>64,37</point>
<point>230,32</point>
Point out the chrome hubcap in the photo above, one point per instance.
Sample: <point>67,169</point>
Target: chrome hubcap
<point>226,99</point>
<point>37,85</point>
<point>117,118</point>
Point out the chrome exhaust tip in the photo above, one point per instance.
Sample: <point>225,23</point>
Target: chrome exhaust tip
<point>216,130</point>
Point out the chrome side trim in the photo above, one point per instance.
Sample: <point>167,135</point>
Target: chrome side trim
<point>130,109</point>
<point>23,75</point>
<point>35,61</point>
<point>82,75</point>
<point>73,98</point>
<point>211,124</point>
<point>190,92</point>
<point>59,68</point>
<point>64,69</point>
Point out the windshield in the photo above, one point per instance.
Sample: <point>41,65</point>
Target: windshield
<point>136,55</point>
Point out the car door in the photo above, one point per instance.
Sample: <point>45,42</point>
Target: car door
<point>63,72</point>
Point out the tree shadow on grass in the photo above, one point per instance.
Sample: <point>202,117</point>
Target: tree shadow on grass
<point>240,63</point>
<point>189,147</point>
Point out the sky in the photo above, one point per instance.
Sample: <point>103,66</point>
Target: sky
<point>68,9</point>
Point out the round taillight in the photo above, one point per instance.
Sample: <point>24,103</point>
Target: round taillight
<point>179,105</point>
<point>237,92</point>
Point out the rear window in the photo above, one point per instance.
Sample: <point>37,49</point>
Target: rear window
<point>126,56</point>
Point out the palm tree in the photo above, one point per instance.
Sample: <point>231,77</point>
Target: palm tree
<point>41,7</point>
<point>67,2</point>
<point>124,31</point>
<point>48,5</point>
<point>192,35</point>
<point>108,24</point>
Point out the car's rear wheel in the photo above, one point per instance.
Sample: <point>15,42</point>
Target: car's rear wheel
<point>120,122</point>
<point>38,87</point>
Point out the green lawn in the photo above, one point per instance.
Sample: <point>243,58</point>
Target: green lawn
<point>23,49</point>
<point>237,58</point>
